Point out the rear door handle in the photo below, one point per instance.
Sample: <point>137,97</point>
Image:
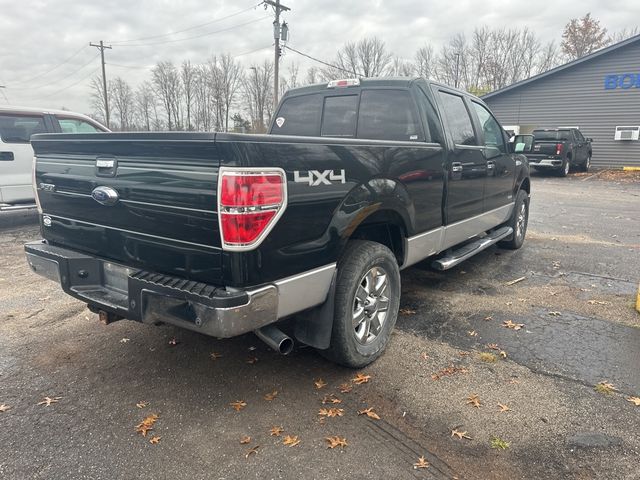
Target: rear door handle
<point>6,156</point>
<point>456,167</point>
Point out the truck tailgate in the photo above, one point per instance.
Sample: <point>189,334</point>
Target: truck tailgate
<point>164,217</point>
<point>545,147</point>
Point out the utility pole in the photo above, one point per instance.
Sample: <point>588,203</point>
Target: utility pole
<point>101,46</point>
<point>457,68</point>
<point>3,94</point>
<point>276,35</point>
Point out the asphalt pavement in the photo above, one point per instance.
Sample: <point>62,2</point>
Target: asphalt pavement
<point>578,275</point>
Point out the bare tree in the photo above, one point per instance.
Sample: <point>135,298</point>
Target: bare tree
<point>313,76</point>
<point>230,78</point>
<point>549,57</point>
<point>257,89</point>
<point>123,103</point>
<point>203,98</point>
<point>97,99</point>
<point>368,57</point>
<point>425,62</point>
<point>166,81</point>
<point>145,102</point>
<point>401,68</point>
<point>291,80</point>
<point>623,34</point>
<point>187,75</point>
<point>583,36</point>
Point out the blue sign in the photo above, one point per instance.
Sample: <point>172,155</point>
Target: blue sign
<point>623,80</point>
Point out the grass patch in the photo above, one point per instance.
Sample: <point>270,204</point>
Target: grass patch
<point>499,444</point>
<point>488,357</point>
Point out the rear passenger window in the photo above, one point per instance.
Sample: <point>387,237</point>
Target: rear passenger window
<point>339,116</point>
<point>458,119</point>
<point>19,128</point>
<point>299,116</point>
<point>388,115</point>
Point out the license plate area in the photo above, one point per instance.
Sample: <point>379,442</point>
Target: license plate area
<point>116,277</point>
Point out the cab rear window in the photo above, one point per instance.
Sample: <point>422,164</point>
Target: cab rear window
<point>19,128</point>
<point>552,134</point>
<point>339,116</point>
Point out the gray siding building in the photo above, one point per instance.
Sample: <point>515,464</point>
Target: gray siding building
<point>599,94</point>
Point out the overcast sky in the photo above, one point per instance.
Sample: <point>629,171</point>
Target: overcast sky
<point>38,35</point>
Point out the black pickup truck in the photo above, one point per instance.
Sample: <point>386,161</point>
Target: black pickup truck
<point>560,150</point>
<point>229,233</point>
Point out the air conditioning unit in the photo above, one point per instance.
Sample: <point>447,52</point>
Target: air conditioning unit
<point>627,133</point>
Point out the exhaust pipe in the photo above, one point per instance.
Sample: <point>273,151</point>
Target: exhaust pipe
<point>275,338</point>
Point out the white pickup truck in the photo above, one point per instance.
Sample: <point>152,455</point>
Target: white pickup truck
<point>17,124</point>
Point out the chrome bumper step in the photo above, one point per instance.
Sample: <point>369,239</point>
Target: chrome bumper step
<point>470,249</point>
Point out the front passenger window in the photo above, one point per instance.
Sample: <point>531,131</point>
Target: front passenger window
<point>493,137</point>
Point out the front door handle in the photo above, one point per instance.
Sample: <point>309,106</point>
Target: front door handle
<point>491,164</point>
<point>456,167</point>
<point>6,156</point>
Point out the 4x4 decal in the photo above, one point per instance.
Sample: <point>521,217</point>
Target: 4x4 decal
<point>314,177</point>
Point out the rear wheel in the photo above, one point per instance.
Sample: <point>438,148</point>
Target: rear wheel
<point>587,164</point>
<point>518,222</point>
<point>366,304</point>
<point>565,168</point>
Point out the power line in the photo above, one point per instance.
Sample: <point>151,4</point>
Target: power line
<point>55,67</point>
<point>189,28</point>
<point>69,86</point>
<point>60,79</point>
<point>196,36</point>
<point>323,62</point>
<point>134,67</point>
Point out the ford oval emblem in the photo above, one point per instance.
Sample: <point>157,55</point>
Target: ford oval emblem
<point>105,195</point>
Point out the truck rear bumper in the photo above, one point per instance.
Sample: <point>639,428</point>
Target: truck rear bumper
<point>544,161</point>
<point>156,298</point>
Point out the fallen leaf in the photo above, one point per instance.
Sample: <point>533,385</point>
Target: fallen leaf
<point>424,356</point>
<point>291,440</point>
<point>503,408</point>
<point>598,302</point>
<point>147,424</point>
<point>503,354</point>
<point>487,357</point>
<point>238,405</point>
<point>460,435</point>
<point>215,355</point>
<point>276,431</point>
<point>252,451</point>
<point>488,318</point>
<point>634,400</point>
<point>472,333</point>
<point>4,408</point>
<point>499,444</point>
<point>345,388</point>
<point>474,400</point>
<point>513,381</point>
<point>513,282</point>
<point>555,314</point>
<point>449,371</point>
<point>124,340</point>
<point>421,463</point>
<point>154,440</point>
<point>407,311</point>
<point>360,378</point>
<point>508,304</point>
<point>511,325</point>
<point>270,396</point>
<point>245,439</point>
<point>173,342</point>
<point>369,413</point>
<point>331,398</point>
<point>336,442</point>
<point>48,401</point>
<point>464,354</point>
<point>605,387</point>
<point>142,404</point>
<point>492,346</point>
<point>320,383</point>
<point>252,359</point>
<point>331,412</point>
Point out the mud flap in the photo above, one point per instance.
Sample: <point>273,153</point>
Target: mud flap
<point>314,327</point>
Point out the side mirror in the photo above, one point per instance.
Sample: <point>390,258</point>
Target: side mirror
<point>522,143</point>
<point>589,139</point>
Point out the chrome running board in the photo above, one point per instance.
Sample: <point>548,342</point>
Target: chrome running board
<point>470,249</point>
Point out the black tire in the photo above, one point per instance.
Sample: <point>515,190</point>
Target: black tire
<point>360,259</point>
<point>518,223</point>
<point>564,170</point>
<point>586,164</point>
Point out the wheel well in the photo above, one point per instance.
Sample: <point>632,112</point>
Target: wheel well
<point>526,185</point>
<point>385,227</point>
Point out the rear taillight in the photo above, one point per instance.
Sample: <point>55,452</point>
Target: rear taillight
<point>250,202</point>
<point>558,149</point>
<point>35,186</point>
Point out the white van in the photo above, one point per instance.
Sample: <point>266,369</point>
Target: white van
<point>17,124</point>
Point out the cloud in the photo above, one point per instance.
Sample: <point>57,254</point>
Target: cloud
<point>36,39</point>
